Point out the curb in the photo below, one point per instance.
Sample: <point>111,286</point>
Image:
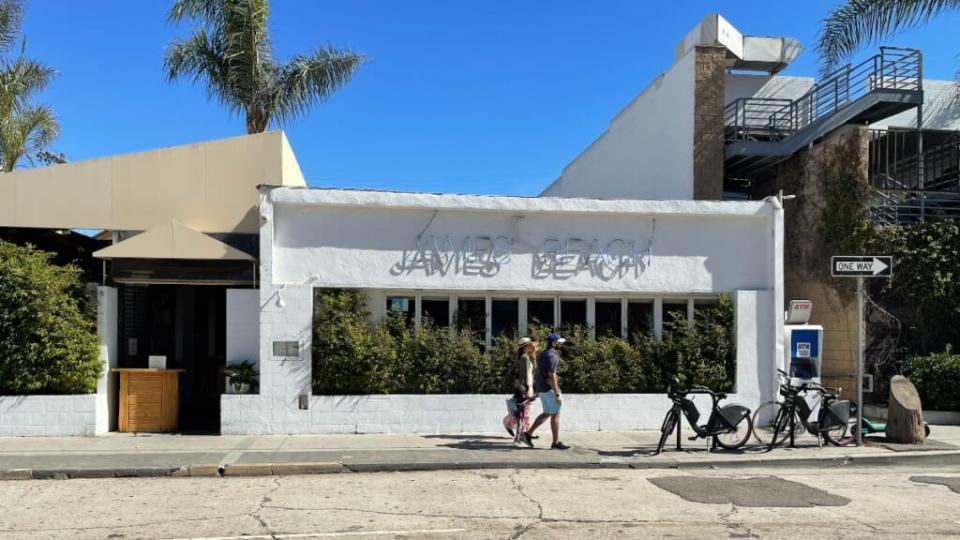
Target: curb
<point>925,458</point>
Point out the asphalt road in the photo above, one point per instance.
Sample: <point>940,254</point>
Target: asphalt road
<point>801,503</point>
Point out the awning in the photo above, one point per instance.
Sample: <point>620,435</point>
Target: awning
<point>173,240</point>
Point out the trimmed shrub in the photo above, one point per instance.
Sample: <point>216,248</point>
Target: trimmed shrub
<point>47,345</point>
<point>353,356</point>
<point>935,377</point>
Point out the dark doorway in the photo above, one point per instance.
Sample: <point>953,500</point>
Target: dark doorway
<point>187,324</point>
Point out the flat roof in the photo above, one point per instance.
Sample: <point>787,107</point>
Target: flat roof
<point>208,186</point>
<point>495,203</point>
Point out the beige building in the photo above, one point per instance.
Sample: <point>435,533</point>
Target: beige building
<point>177,258</point>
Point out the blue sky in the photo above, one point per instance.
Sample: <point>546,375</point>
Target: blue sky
<point>470,97</point>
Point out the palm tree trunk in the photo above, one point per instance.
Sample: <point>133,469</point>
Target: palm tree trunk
<point>257,121</point>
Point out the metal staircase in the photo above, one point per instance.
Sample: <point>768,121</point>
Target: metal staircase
<point>761,132</point>
<point>906,188</point>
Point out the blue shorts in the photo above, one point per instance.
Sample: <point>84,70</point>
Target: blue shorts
<point>548,400</point>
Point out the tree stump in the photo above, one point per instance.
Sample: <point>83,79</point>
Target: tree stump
<point>904,414</point>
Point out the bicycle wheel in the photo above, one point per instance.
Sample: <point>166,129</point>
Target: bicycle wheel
<point>843,434</point>
<point>783,429</point>
<point>669,423</point>
<point>733,440</point>
<point>765,420</point>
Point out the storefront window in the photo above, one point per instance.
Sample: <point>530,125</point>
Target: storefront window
<point>608,318</point>
<point>573,312</point>
<point>505,317</point>
<point>472,315</point>
<point>701,304</point>
<point>436,310</point>
<point>540,313</point>
<point>639,317</point>
<point>404,306</point>
<point>674,310</point>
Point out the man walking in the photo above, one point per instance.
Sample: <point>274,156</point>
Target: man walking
<point>546,383</point>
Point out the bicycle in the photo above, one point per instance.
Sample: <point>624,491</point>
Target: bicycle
<point>729,426</point>
<point>774,422</point>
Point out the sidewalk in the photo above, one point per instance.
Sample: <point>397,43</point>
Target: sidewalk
<point>197,455</point>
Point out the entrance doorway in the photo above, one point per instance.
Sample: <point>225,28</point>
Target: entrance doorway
<point>187,324</point>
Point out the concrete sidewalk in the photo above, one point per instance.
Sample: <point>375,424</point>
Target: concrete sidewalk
<point>118,455</point>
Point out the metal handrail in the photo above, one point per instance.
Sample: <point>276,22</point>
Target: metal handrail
<point>892,68</point>
<point>894,206</point>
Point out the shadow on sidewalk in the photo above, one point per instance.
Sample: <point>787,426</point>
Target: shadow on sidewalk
<point>468,437</point>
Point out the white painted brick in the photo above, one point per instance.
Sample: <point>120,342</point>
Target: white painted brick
<point>44,419</point>
<point>59,405</point>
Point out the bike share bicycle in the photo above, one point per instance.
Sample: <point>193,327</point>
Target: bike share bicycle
<point>774,422</point>
<point>729,426</point>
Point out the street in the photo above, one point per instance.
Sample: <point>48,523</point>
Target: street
<point>871,502</point>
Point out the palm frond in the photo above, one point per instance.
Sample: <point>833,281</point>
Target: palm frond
<point>856,23</point>
<point>26,133</point>
<point>230,52</point>
<point>201,58</point>
<point>204,10</point>
<point>309,79</point>
<point>20,79</point>
<point>11,18</point>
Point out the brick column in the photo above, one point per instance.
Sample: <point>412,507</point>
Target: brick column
<point>708,147</point>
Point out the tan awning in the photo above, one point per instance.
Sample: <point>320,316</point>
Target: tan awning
<point>173,240</point>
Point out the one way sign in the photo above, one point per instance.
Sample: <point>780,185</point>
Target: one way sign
<point>866,266</point>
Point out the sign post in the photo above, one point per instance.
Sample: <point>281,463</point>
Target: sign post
<point>861,267</point>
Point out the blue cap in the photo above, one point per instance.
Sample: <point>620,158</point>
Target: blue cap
<point>555,338</point>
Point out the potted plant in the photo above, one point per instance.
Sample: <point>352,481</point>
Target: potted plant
<point>242,375</point>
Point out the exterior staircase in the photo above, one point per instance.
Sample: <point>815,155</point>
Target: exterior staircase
<point>761,132</point>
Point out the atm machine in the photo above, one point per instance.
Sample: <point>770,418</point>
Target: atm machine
<point>804,343</point>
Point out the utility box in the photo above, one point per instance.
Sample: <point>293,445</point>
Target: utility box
<point>804,344</point>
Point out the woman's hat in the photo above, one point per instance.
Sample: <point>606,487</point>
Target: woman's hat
<point>525,341</point>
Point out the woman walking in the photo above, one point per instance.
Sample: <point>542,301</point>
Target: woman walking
<point>517,420</point>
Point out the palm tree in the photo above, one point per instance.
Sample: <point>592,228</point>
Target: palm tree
<point>26,134</point>
<point>855,23</point>
<point>25,129</point>
<point>230,52</point>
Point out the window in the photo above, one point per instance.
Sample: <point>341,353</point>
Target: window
<point>540,313</point>
<point>573,312</point>
<point>702,304</point>
<point>608,318</point>
<point>674,311</point>
<point>504,317</point>
<point>639,317</point>
<point>472,315</point>
<point>436,310</point>
<point>404,306</point>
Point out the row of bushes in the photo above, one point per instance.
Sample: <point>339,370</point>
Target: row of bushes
<point>936,377</point>
<point>352,356</point>
<point>47,344</point>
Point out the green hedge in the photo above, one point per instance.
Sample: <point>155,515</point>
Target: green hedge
<point>352,356</point>
<point>47,346</point>
<point>936,377</point>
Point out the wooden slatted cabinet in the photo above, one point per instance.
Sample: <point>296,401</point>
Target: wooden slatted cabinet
<point>149,400</point>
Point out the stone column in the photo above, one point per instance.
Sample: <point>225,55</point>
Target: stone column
<point>708,145</point>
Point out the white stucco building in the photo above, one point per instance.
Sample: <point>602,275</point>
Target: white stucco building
<point>512,259</point>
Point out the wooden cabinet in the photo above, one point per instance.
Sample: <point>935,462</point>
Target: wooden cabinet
<point>149,400</point>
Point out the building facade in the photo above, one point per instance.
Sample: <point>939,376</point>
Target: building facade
<point>722,123</point>
<point>508,261</point>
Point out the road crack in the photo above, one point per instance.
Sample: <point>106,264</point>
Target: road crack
<point>262,505</point>
<point>738,528</point>
<point>524,529</point>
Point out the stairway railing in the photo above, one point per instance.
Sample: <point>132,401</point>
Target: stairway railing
<point>893,68</point>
